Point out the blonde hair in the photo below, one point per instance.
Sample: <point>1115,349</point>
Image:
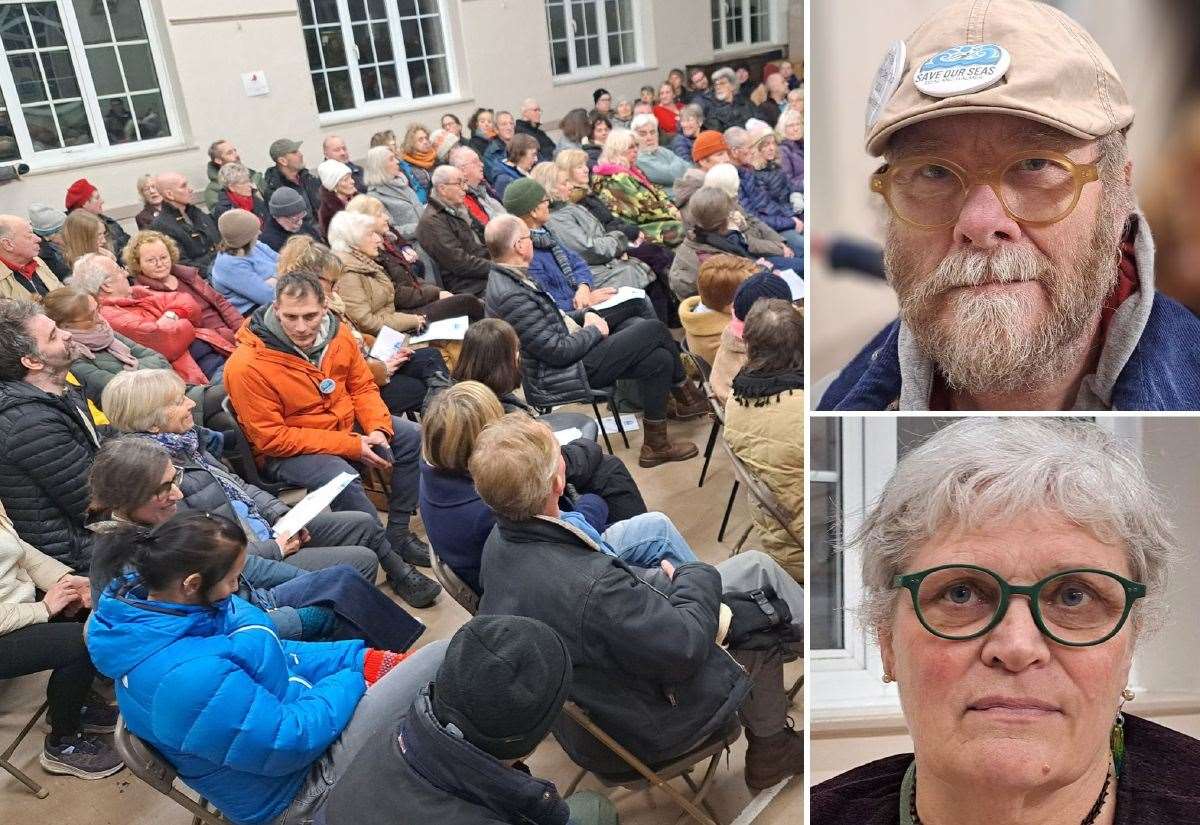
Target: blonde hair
<point>303,253</point>
<point>142,183</point>
<point>453,420</point>
<point>367,205</point>
<point>514,465</point>
<point>82,234</point>
<point>132,256</point>
<point>615,146</point>
<point>720,276</point>
<point>568,159</point>
<point>135,401</point>
<point>549,176</point>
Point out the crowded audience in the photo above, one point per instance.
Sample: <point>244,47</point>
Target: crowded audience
<point>160,390</point>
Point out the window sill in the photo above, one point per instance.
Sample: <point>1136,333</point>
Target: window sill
<point>887,720</point>
<point>101,157</point>
<point>748,49</point>
<point>595,74</point>
<point>387,109</point>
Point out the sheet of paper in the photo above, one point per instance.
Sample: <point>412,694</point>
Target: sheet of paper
<point>450,329</point>
<point>255,83</point>
<point>628,421</point>
<point>387,343</point>
<point>568,435</point>
<point>795,282</point>
<point>625,293</point>
<point>312,505</point>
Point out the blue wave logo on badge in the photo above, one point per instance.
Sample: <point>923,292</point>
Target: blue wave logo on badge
<point>979,54</point>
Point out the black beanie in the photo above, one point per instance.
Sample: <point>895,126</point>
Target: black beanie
<point>503,683</point>
<point>762,284</point>
<point>599,93</point>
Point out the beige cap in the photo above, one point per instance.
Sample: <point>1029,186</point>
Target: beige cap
<point>1056,73</point>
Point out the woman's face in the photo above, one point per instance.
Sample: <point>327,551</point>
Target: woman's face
<point>163,502</point>
<point>421,141</point>
<point>579,175</point>
<point>486,124</point>
<point>767,150</point>
<point>154,260</point>
<point>604,104</point>
<point>527,160</point>
<point>381,224</point>
<point>564,187</point>
<point>370,244</point>
<point>625,110</point>
<point>690,126</point>
<point>242,187</point>
<point>85,321</point>
<point>631,155</point>
<point>666,95</point>
<point>794,129</point>
<point>1011,708</point>
<point>345,187</point>
<point>450,124</point>
<point>177,417</point>
<point>600,132</point>
<point>150,194</point>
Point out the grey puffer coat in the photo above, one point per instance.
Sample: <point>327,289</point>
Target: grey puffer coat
<point>580,231</point>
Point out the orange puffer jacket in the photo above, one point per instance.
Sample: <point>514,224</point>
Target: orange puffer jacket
<point>280,406</point>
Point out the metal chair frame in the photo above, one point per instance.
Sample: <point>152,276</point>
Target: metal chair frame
<point>760,492</point>
<point>246,468</point>
<point>148,765</point>
<point>609,396</point>
<point>17,773</point>
<point>458,589</point>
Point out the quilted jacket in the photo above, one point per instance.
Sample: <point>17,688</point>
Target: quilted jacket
<point>758,201</point>
<point>551,355</point>
<point>46,450</point>
<point>457,247</point>
<point>402,204</point>
<point>142,317</point>
<point>369,296</point>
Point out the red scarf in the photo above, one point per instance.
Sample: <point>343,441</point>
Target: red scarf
<point>242,202</point>
<point>477,212</point>
<point>27,270</point>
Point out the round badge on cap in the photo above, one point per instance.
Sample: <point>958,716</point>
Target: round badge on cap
<point>962,70</point>
<point>887,81</point>
<point>326,386</point>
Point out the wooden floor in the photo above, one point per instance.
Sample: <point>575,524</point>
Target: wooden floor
<point>671,488</point>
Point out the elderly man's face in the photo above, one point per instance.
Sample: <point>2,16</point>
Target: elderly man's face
<point>22,244</point>
<point>471,168</point>
<point>1011,707</point>
<point>117,282</point>
<point>506,127</point>
<point>723,89</point>
<point>532,112</point>
<point>335,149</point>
<point>453,191</point>
<point>1001,306</point>
<point>647,135</point>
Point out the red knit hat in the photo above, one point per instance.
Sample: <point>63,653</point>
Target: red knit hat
<point>708,143</point>
<point>770,69</point>
<point>79,193</point>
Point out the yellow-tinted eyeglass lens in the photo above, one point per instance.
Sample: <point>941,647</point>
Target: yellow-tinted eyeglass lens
<point>926,193</point>
<point>1037,189</point>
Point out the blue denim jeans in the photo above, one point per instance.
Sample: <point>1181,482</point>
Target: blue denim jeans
<point>645,540</point>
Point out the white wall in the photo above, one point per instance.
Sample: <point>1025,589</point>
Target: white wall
<point>502,56</point>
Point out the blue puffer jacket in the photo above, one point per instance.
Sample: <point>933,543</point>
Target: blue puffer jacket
<point>682,146</point>
<point>545,270</point>
<point>756,200</point>
<point>506,173</point>
<point>240,714</point>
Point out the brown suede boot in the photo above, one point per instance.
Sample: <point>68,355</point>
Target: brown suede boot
<point>772,759</point>
<point>687,402</point>
<point>657,447</point>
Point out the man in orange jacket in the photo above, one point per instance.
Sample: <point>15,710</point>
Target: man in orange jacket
<point>311,410</point>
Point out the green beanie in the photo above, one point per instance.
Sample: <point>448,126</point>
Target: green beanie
<point>522,196</point>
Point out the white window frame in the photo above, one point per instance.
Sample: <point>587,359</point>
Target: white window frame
<point>603,70</point>
<point>98,149</point>
<point>390,105</point>
<point>775,21</point>
<point>846,682</point>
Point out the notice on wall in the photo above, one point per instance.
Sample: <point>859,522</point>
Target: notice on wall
<point>255,83</point>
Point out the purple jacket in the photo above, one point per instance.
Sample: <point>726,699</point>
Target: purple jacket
<point>791,158</point>
<point>757,200</point>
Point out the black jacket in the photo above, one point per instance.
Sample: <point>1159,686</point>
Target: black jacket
<point>117,236</point>
<point>197,241</point>
<point>46,451</point>
<point>545,144</point>
<point>646,666</point>
<point>1160,784</point>
<point>308,187</point>
<point>551,356</point>
<point>608,220</point>
<point>224,204</point>
<point>52,254</point>
<point>420,772</point>
<point>275,236</point>
<point>720,115</point>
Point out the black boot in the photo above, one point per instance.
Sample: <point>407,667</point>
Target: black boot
<point>410,548</point>
<point>407,583</point>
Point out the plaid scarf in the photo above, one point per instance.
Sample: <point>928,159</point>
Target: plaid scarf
<point>187,446</point>
<point>542,239</point>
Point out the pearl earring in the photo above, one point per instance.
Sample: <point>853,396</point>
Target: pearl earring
<point>887,678</point>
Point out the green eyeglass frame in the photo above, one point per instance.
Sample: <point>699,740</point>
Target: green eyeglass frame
<point>912,583</point>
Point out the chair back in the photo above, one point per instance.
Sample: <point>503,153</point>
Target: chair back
<point>243,462</point>
<point>458,589</point>
<point>763,496</point>
<point>143,761</point>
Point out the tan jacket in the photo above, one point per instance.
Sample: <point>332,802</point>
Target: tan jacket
<point>730,358</point>
<point>769,439</point>
<point>23,568</point>
<point>369,296</point>
<point>703,329</point>
<point>11,288</point>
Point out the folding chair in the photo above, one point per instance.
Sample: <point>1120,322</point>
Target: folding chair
<point>643,777</point>
<point>762,495</point>
<point>594,396</point>
<point>243,462</point>
<point>458,589</point>
<point>148,765</point>
<point>21,776</point>
<point>704,370</point>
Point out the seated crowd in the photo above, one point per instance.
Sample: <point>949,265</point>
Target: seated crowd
<point>160,390</point>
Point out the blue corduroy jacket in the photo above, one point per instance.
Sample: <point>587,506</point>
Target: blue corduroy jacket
<point>1162,373</point>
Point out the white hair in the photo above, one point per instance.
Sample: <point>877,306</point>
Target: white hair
<point>737,138</point>
<point>90,272</point>
<point>983,471</point>
<point>442,174</point>
<point>616,145</point>
<point>458,156</point>
<point>640,120</point>
<point>231,173</point>
<point>375,166</point>
<point>785,119</point>
<point>347,230</point>
<point>724,176</point>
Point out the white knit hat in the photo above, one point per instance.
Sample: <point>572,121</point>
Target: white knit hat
<point>332,171</point>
